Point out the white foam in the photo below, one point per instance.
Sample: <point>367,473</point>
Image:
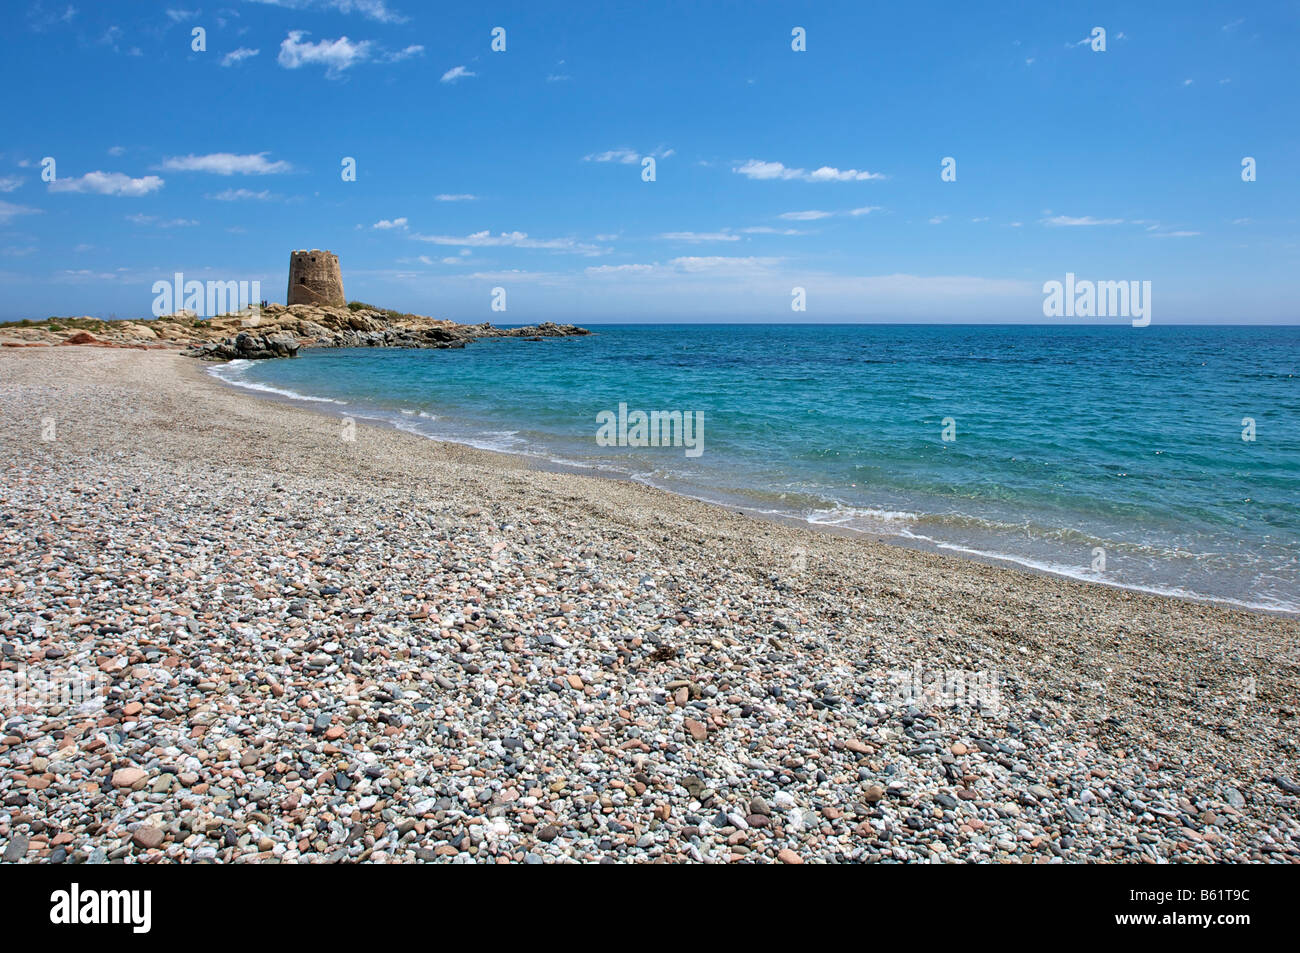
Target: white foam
<point>266,388</point>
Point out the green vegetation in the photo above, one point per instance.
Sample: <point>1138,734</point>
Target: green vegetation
<point>389,313</point>
<point>55,323</point>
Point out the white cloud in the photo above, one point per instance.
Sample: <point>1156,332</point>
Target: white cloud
<point>456,73</point>
<point>938,219</point>
<point>1178,234</point>
<point>226,163</point>
<point>1067,220</point>
<point>385,224</point>
<point>109,183</point>
<point>241,195</point>
<point>9,183</point>
<point>865,210</point>
<point>238,56</point>
<point>178,16</point>
<point>758,169</point>
<point>371,9</point>
<point>334,55</point>
<point>456,197</point>
<point>117,150</point>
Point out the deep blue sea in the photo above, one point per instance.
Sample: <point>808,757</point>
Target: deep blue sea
<point>1065,443</point>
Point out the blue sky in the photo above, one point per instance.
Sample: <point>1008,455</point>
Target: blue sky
<point>774,169</point>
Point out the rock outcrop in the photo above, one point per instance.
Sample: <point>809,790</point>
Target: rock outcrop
<point>249,347</point>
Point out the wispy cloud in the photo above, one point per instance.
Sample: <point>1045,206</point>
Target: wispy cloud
<point>758,169</point>
<point>1082,220</point>
<point>10,183</point>
<point>241,195</point>
<point>238,56</point>
<point>386,224</point>
<point>456,73</point>
<point>698,237</point>
<point>485,239</point>
<point>109,183</point>
<point>227,163</point>
<point>40,18</point>
<point>455,197</point>
<point>161,222</point>
<point>813,215</point>
<point>626,156</point>
<point>8,210</point>
<point>377,10</point>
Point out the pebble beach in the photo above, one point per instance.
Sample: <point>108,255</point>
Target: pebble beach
<point>318,643</point>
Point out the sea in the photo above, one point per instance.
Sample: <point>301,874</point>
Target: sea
<point>1162,459</point>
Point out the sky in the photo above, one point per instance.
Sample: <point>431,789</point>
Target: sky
<point>774,168</point>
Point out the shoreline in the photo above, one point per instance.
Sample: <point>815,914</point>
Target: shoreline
<point>395,649</point>
<point>540,461</point>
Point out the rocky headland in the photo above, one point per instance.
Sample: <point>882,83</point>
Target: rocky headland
<point>271,332</point>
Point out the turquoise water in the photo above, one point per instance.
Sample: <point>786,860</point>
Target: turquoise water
<point>1067,439</point>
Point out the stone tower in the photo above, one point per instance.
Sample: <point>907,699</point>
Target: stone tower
<point>314,278</point>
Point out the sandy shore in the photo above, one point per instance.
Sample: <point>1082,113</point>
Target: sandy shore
<point>312,648</point>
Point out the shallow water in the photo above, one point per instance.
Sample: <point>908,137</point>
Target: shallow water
<point>1068,440</point>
